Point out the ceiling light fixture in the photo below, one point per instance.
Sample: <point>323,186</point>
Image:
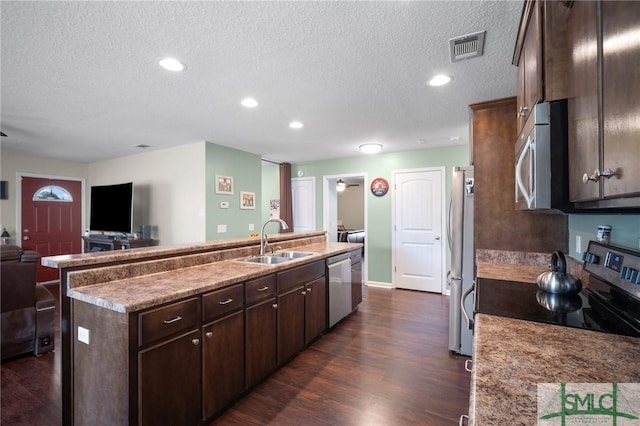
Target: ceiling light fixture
<point>172,64</point>
<point>249,103</point>
<point>296,125</point>
<point>370,148</point>
<point>340,185</point>
<point>439,80</point>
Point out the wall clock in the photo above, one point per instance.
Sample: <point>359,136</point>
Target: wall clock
<point>379,187</point>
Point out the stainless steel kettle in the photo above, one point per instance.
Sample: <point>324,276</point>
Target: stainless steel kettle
<point>556,280</point>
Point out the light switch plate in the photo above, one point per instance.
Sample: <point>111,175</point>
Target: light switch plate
<point>251,227</point>
<point>224,204</point>
<point>83,335</point>
<point>578,244</point>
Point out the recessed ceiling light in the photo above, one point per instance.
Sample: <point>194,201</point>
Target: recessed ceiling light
<point>172,64</point>
<point>296,125</point>
<point>439,80</point>
<point>249,103</point>
<point>370,148</point>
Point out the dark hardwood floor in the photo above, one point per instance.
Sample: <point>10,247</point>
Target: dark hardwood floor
<point>386,364</point>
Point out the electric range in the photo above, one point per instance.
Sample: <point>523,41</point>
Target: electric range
<point>610,304</point>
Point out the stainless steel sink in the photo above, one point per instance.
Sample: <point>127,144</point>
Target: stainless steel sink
<point>291,254</point>
<point>266,260</point>
<point>275,258</point>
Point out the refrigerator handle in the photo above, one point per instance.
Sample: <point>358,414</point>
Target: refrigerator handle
<point>464,311</point>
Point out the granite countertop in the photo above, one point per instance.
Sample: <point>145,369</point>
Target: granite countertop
<point>134,294</point>
<point>510,358</point>
<point>96,258</point>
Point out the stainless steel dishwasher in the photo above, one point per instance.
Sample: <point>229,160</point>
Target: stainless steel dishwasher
<point>339,273</point>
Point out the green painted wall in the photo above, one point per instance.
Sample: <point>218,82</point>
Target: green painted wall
<point>379,208</point>
<point>625,230</point>
<point>246,171</point>
<point>270,187</point>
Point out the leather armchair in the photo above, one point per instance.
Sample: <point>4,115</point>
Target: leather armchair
<point>27,308</point>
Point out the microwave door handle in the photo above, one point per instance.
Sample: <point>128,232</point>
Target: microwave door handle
<point>520,185</point>
<point>532,171</point>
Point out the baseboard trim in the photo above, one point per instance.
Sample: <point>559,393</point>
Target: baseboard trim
<point>378,284</point>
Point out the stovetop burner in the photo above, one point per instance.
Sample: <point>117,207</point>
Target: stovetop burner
<point>611,303</point>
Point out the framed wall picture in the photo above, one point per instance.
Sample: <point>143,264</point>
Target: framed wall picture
<point>224,185</point>
<point>247,200</point>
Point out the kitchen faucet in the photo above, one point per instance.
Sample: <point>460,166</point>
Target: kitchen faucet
<point>263,237</point>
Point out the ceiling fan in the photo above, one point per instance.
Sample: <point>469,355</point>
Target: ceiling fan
<point>341,185</point>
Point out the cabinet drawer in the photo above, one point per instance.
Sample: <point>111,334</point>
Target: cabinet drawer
<point>260,288</point>
<point>167,320</point>
<point>300,275</point>
<point>356,256</point>
<point>220,302</point>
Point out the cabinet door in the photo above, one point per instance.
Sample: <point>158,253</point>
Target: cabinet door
<point>532,52</point>
<point>290,324</point>
<point>356,284</point>
<point>584,145</point>
<point>222,363</point>
<point>620,89</point>
<point>169,381</point>
<point>260,329</point>
<point>315,320</point>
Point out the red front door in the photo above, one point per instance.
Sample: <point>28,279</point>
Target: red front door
<point>51,219</point>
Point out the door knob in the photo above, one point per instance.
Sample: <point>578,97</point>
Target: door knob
<point>437,238</point>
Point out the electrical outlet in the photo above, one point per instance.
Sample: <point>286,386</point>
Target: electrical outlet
<point>222,229</point>
<point>251,227</point>
<point>578,244</point>
<point>83,335</point>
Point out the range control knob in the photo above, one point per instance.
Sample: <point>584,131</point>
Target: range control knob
<point>635,276</point>
<point>589,257</point>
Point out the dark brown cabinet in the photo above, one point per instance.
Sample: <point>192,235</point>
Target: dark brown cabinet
<point>603,119</point>
<point>315,309</point>
<point>222,349</point>
<point>356,278</point>
<point>297,306</point>
<point>290,324</point>
<point>169,382</point>
<point>260,328</point>
<point>222,363</point>
<point>540,55</point>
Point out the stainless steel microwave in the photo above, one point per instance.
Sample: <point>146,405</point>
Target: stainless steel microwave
<point>541,159</point>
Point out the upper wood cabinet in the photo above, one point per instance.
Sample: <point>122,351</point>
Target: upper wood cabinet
<point>541,56</point>
<point>604,123</point>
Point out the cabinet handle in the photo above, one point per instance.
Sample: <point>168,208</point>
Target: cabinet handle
<point>265,288</point>
<point>274,306</point>
<point>608,173</point>
<point>595,177</point>
<point>196,342</point>
<point>303,293</point>
<point>172,320</point>
<point>309,290</point>
<point>466,365</point>
<point>461,421</point>
<point>224,302</point>
<point>209,334</point>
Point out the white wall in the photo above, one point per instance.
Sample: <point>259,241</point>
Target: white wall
<point>173,183</point>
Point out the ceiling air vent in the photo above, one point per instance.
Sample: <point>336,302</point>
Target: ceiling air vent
<point>466,47</point>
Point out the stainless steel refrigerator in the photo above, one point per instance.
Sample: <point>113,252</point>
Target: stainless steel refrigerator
<point>461,275</point>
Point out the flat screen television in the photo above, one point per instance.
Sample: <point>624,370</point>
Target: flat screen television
<point>112,208</point>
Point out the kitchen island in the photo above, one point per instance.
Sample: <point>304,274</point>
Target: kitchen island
<point>177,333</point>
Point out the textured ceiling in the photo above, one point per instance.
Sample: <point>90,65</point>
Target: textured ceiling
<point>80,80</point>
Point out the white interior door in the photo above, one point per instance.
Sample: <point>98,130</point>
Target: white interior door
<point>304,204</point>
<point>417,233</point>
